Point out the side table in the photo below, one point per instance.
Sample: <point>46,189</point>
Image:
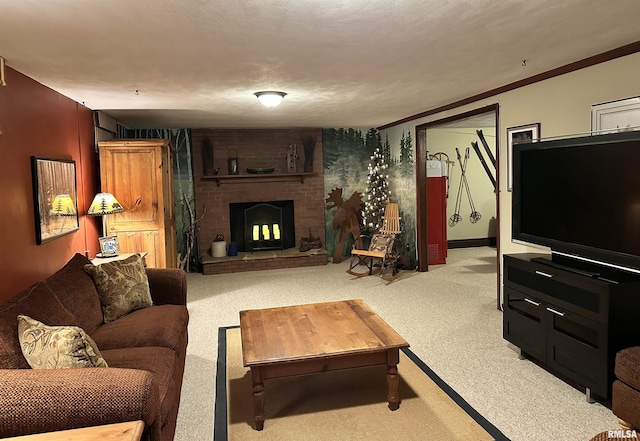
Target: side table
<point>98,260</point>
<point>129,431</point>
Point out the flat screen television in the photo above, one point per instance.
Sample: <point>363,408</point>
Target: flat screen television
<point>581,198</point>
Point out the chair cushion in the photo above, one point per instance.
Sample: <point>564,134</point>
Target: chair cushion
<point>38,302</point>
<point>382,242</point>
<point>141,328</point>
<point>627,366</point>
<point>77,292</point>
<point>122,286</point>
<point>48,347</point>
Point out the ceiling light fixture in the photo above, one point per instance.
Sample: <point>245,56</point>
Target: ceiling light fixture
<point>270,98</point>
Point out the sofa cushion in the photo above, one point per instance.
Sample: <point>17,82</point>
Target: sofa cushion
<point>162,325</point>
<point>77,292</point>
<point>122,286</point>
<point>625,403</point>
<point>160,362</point>
<point>48,347</point>
<point>626,366</point>
<point>38,302</point>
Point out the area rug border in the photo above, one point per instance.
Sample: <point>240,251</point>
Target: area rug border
<point>220,423</point>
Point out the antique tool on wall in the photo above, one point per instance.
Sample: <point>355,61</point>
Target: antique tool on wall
<point>484,163</point>
<point>486,147</point>
<point>455,217</point>
<point>489,155</point>
<point>475,215</point>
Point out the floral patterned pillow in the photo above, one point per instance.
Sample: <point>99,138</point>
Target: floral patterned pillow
<point>122,286</point>
<point>48,347</point>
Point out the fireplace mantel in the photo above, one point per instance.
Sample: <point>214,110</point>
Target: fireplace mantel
<point>269,177</point>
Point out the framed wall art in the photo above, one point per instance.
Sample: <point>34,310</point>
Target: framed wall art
<point>55,197</point>
<point>516,135</point>
<point>616,116</point>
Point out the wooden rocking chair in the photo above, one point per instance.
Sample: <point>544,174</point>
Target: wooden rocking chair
<point>384,249</point>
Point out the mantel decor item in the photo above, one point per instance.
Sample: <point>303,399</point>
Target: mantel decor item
<point>292,158</point>
<point>207,157</point>
<point>309,143</point>
<point>515,135</point>
<point>54,197</point>
<point>232,163</point>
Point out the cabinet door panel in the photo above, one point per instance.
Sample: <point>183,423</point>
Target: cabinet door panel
<point>139,241</point>
<point>140,175</point>
<point>523,323</point>
<point>576,347</point>
<point>132,175</point>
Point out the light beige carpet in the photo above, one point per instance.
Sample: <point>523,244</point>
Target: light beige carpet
<point>341,405</point>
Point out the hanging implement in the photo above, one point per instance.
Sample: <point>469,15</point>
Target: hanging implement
<point>489,155</point>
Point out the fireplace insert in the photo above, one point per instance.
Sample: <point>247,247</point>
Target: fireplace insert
<point>260,226</point>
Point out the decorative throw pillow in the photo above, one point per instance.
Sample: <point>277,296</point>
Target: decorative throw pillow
<point>47,347</point>
<point>122,286</point>
<point>381,242</point>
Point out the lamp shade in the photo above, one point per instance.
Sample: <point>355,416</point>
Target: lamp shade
<point>63,205</point>
<point>104,203</point>
<point>270,98</point>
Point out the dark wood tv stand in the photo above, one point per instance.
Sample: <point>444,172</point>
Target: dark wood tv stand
<point>571,322</point>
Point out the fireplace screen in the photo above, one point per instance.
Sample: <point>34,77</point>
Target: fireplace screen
<point>259,226</point>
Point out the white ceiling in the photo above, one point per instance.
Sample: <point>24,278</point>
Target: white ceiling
<point>343,63</point>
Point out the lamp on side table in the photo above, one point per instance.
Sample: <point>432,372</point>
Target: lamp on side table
<point>102,205</point>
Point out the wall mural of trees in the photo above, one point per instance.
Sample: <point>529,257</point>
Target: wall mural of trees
<point>347,155</point>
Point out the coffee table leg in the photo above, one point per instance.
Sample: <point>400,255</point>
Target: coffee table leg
<point>392,379</point>
<point>258,397</point>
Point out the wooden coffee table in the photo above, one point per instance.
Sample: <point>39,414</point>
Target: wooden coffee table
<point>319,337</point>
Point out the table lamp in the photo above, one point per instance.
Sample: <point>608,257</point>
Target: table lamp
<point>102,205</point>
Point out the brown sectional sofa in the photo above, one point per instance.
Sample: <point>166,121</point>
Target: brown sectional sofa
<point>625,396</point>
<point>145,351</point>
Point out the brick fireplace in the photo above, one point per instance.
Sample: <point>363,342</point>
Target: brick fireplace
<point>256,149</point>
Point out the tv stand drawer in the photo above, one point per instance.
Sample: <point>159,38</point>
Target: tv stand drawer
<point>573,292</point>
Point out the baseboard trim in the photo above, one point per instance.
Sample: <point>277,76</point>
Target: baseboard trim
<point>470,243</point>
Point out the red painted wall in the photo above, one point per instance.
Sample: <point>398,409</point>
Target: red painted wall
<point>36,120</point>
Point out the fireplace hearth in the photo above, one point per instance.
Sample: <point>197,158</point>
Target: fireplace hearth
<point>261,226</point>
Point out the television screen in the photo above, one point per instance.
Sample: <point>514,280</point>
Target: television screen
<point>580,196</point>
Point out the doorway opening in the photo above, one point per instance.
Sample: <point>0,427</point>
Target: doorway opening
<point>472,213</point>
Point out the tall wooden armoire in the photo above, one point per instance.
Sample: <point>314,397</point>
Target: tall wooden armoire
<point>139,173</point>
